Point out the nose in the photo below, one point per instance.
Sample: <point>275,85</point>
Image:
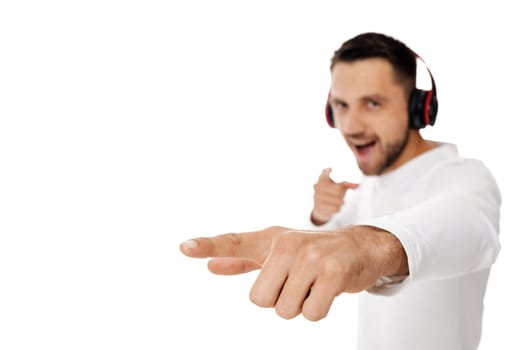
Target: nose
<point>349,122</point>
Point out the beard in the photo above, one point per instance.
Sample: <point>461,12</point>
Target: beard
<point>392,152</point>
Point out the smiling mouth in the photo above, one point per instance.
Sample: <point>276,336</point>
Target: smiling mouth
<point>365,148</point>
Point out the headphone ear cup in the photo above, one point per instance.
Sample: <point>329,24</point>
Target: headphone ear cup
<point>415,107</point>
<point>329,114</point>
<point>432,108</point>
<point>422,108</point>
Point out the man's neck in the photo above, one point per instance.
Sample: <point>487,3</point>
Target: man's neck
<point>415,146</point>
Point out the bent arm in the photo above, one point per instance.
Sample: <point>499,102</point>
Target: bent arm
<point>449,235</point>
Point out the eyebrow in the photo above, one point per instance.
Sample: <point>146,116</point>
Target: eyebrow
<point>378,97</point>
<point>337,100</point>
<point>375,97</point>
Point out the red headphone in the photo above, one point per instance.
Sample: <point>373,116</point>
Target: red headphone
<point>422,106</point>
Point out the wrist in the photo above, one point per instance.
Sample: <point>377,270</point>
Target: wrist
<point>387,252</point>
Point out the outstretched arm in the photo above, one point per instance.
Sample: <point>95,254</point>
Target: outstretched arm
<point>303,271</point>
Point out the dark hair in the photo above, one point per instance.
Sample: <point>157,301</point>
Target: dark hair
<point>373,45</point>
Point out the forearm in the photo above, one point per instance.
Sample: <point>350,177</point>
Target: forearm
<point>385,250</point>
<point>390,254</point>
<point>377,253</point>
<point>458,238</point>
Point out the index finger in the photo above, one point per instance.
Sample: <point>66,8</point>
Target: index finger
<point>250,245</point>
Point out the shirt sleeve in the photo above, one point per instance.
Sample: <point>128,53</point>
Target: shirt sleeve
<point>448,235</point>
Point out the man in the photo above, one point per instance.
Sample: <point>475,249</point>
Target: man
<point>416,237</point>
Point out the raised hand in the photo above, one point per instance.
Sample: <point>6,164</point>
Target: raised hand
<point>328,197</point>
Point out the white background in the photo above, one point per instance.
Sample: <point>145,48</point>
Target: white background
<point>127,127</point>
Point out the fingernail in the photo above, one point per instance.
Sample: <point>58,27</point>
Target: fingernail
<point>189,244</point>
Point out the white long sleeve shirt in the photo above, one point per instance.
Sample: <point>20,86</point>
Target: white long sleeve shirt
<point>445,211</point>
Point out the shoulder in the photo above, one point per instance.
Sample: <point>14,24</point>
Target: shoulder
<point>452,171</point>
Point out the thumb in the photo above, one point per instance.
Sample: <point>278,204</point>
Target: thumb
<point>349,185</point>
<point>325,174</point>
<point>326,171</point>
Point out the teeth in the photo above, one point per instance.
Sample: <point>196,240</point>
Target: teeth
<point>365,144</point>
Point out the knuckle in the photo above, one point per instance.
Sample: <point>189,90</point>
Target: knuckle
<point>234,238</point>
<point>285,241</point>
<point>333,269</point>
<point>311,254</point>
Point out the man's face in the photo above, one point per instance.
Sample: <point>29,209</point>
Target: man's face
<point>371,112</point>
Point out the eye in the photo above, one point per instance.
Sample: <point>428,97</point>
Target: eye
<point>339,105</point>
<point>372,104</point>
